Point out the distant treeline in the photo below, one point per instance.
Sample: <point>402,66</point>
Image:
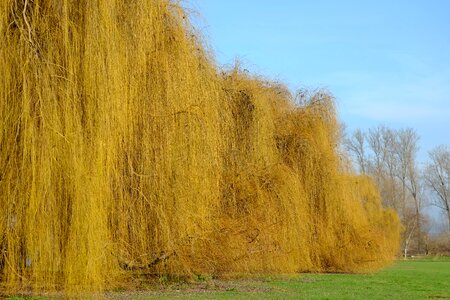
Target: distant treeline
<point>389,156</point>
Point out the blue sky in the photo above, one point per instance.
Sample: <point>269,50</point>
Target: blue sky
<point>386,62</point>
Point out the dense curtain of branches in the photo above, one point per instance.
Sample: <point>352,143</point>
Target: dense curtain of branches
<point>125,151</point>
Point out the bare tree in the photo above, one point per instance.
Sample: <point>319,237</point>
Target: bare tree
<point>437,178</point>
<point>356,146</point>
<point>394,194</point>
<point>405,149</point>
<point>376,145</point>
<point>389,157</point>
<point>382,166</point>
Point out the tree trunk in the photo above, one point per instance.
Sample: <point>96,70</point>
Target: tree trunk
<point>408,239</point>
<point>419,228</point>
<point>448,216</point>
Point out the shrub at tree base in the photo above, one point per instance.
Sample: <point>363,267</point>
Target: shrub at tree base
<point>123,148</point>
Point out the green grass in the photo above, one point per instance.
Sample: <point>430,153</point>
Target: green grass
<point>420,279</point>
<point>413,279</point>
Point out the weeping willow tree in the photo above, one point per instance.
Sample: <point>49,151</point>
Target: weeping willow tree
<point>124,148</point>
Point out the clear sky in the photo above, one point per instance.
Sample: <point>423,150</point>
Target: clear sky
<point>386,61</point>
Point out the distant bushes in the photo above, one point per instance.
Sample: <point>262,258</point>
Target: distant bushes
<point>439,245</point>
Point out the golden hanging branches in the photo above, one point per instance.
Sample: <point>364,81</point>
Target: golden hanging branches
<point>124,148</point>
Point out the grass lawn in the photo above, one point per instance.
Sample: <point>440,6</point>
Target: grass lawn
<point>412,279</point>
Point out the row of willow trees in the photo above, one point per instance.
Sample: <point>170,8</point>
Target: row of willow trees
<point>124,150</point>
<point>389,156</point>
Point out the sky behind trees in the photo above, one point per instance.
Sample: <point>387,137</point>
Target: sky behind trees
<point>386,62</point>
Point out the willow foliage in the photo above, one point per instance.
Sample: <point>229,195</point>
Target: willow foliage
<point>123,148</point>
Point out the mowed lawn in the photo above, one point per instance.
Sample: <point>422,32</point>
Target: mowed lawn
<point>411,279</point>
